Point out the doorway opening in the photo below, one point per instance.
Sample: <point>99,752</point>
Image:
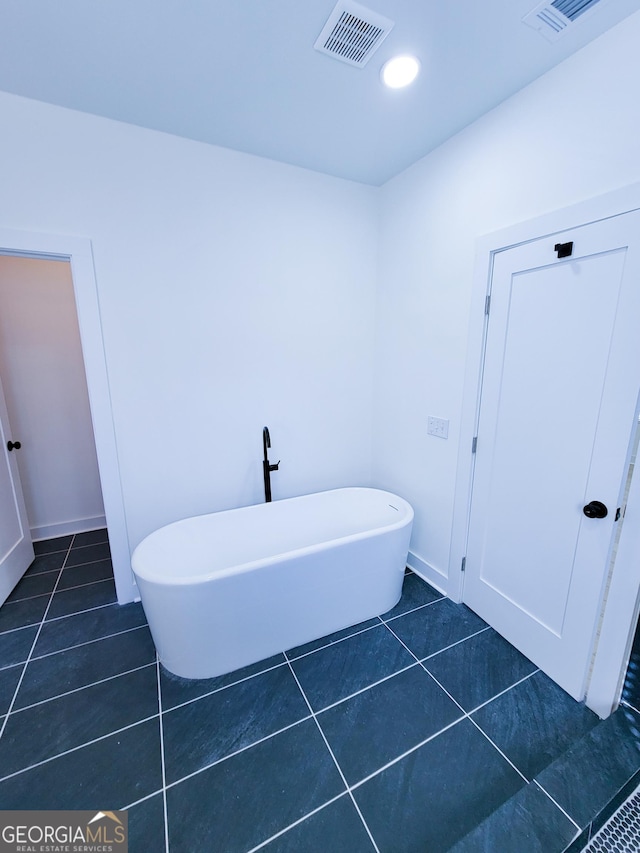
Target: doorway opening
<point>630,692</point>
<point>45,388</point>
<point>77,252</point>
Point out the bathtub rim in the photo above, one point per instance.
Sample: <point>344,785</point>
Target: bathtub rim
<point>406,517</point>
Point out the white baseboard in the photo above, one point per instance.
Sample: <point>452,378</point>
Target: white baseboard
<point>64,528</point>
<point>427,572</point>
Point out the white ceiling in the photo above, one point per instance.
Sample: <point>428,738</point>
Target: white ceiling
<point>244,74</point>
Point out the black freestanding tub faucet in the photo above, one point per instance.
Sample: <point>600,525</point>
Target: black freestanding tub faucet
<point>267,468</point>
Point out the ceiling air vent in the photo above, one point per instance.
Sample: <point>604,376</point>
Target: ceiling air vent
<point>552,19</point>
<point>353,33</point>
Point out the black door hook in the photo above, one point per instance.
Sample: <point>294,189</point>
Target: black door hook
<point>564,250</point>
<point>13,445</point>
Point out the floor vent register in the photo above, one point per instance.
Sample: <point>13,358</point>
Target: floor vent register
<point>621,833</point>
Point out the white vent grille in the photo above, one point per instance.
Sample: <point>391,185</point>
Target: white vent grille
<point>572,9</point>
<point>622,831</point>
<point>353,33</point>
<point>552,19</point>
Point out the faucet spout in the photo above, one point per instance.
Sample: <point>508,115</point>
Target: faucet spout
<point>267,467</point>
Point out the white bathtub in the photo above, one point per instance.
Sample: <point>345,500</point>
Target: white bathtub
<point>225,590</point>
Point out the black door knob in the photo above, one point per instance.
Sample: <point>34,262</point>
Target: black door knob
<point>595,509</point>
<point>13,445</point>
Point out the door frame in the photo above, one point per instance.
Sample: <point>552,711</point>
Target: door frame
<point>616,625</point>
<point>78,252</point>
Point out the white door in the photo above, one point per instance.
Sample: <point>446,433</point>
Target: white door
<point>16,550</point>
<point>559,394</point>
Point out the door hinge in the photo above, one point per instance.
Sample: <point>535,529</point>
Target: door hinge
<point>464,564</point>
<point>474,444</point>
<point>487,304</point>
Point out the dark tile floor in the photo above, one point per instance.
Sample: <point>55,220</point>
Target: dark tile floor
<point>416,732</point>
<point>631,687</point>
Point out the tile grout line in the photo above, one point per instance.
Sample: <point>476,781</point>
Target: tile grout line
<point>381,621</point>
<point>398,758</point>
<point>79,612</point>
<point>53,571</point>
<point>79,548</point>
<point>431,675</point>
<point>335,761</point>
<point>29,598</point>
<point>82,585</point>
<point>48,553</point>
<point>467,714</point>
<point>35,595</point>
<point>84,565</point>
<point>502,692</point>
<point>627,704</point>
<point>78,747</point>
<point>422,663</point>
<point>144,799</point>
<point>417,661</point>
<point>333,643</point>
<point>463,715</point>
<point>358,784</point>
<point>63,589</point>
<point>368,687</point>
<point>162,761</point>
<point>37,575</point>
<point>89,642</point>
<point>283,663</point>
<point>300,820</point>
<point>497,748</point>
<point>407,612</point>
<point>33,644</point>
<point>279,731</point>
<point>57,618</point>
<point>237,752</point>
<point>83,687</point>
<point>452,646</point>
<point>65,648</point>
<point>225,686</point>
<point>303,719</point>
<point>16,662</point>
<point>104,541</point>
<point>88,583</point>
<point>547,794</point>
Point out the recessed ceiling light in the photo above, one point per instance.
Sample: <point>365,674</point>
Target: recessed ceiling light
<point>400,71</point>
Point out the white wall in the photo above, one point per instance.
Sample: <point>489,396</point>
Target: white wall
<point>571,135</point>
<point>45,388</point>
<point>234,292</point>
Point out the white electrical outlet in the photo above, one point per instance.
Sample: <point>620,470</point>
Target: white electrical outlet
<point>438,427</point>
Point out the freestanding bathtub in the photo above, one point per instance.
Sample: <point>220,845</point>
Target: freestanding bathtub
<point>225,590</point>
